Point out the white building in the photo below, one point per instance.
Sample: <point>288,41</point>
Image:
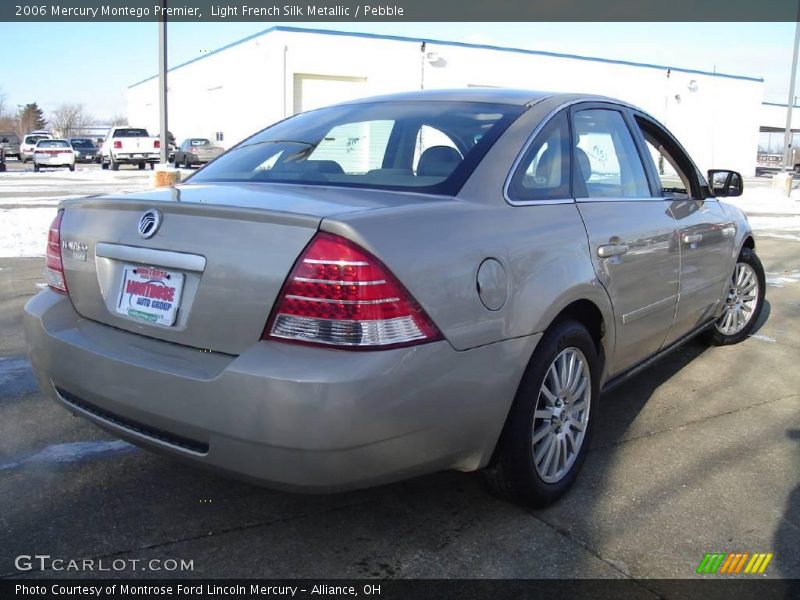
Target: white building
<point>237,90</point>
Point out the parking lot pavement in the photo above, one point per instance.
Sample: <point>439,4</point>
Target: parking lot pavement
<point>699,454</point>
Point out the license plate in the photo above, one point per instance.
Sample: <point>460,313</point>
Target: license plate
<point>150,294</point>
<point>137,156</point>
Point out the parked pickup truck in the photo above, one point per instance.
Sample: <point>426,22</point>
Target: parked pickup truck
<point>129,146</point>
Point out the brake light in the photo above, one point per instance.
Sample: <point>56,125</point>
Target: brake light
<point>340,295</point>
<point>54,271</point>
<point>157,144</point>
<point>117,144</point>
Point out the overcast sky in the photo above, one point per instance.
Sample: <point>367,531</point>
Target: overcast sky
<point>94,63</point>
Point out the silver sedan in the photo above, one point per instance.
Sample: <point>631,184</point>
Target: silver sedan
<point>395,286</point>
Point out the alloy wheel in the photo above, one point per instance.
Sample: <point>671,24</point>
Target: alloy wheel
<point>562,415</point>
<point>740,304</point>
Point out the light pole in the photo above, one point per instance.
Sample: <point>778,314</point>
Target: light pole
<point>162,84</point>
<point>787,134</point>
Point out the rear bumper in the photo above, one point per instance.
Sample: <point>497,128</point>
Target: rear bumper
<point>59,161</point>
<point>132,159</point>
<point>288,416</point>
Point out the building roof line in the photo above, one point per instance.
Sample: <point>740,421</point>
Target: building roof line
<point>782,105</point>
<point>397,38</point>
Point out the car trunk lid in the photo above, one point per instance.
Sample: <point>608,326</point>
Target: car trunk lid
<point>218,255</point>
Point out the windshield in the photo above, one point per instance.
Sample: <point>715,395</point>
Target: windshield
<point>416,146</point>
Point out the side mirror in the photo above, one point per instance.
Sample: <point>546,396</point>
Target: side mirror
<point>724,183</point>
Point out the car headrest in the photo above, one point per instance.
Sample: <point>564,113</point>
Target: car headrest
<point>330,167</point>
<point>438,161</point>
<point>583,167</point>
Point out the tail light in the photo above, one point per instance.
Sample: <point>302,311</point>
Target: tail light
<point>340,295</point>
<point>157,144</point>
<point>117,144</point>
<point>54,271</point>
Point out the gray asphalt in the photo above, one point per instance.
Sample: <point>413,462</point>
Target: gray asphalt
<point>699,454</point>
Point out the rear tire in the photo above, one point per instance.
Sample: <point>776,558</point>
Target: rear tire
<point>549,428</point>
<point>152,166</point>
<point>35,168</point>
<point>743,303</point>
<point>186,163</point>
<point>71,167</point>
<point>141,166</point>
<point>113,164</point>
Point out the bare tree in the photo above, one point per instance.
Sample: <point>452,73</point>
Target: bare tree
<point>70,119</point>
<point>118,119</point>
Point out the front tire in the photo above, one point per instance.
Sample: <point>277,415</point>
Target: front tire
<point>743,303</point>
<point>549,427</point>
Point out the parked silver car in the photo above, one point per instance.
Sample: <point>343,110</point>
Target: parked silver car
<point>395,286</point>
<point>196,151</point>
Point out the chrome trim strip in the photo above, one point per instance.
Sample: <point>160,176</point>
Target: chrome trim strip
<point>337,282</point>
<point>340,263</point>
<point>149,256</point>
<point>331,301</point>
<point>646,310</point>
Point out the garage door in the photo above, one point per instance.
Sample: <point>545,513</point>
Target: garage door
<point>315,91</point>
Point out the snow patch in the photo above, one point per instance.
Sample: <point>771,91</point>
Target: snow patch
<point>23,231</point>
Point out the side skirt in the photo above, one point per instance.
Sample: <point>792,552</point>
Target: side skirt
<point>648,362</point>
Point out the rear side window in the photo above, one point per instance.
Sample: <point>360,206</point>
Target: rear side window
<point>543,172</point>
<point>426,146</point>
<point>607,163</point>
<point>131,133</point>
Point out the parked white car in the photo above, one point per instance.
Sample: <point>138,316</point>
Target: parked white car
<point>130,146</point>
<point>29,143</point>
<point>53,153</point>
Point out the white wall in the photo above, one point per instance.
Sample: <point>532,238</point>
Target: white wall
<point>773,115</point>
<point>246,87</point>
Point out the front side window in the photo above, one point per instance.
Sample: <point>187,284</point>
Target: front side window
<point>422,146</point>
<point>673,166</point>
<point>543,173</point>
<point>607,163</point>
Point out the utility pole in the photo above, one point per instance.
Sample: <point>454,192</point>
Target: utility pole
<point>162,83</point>
<point>787,134</point>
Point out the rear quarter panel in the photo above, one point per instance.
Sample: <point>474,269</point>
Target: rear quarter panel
<point>436,249</point>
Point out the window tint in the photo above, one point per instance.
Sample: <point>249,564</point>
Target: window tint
<point>131,133</point>
<point>607,164</point>
<point>417,146</point>
<point>543,173</point>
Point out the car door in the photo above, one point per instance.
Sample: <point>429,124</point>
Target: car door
<point>705,234</point>
<point>631,232</point>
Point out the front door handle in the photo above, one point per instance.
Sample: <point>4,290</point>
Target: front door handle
<point>610,250</point>
<point>693,238</point>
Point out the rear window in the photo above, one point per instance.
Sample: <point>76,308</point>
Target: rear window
<point>415,146</point>
<point>82,143</point>
<point>200,142</point>
<point>130,133</point>
<point>53,144</point>
<point>32,139</point>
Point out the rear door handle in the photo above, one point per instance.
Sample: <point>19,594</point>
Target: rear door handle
<point>612,250</point>
<point>693,238</point>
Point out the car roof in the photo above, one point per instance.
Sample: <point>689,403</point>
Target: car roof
<point>493,95</point>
